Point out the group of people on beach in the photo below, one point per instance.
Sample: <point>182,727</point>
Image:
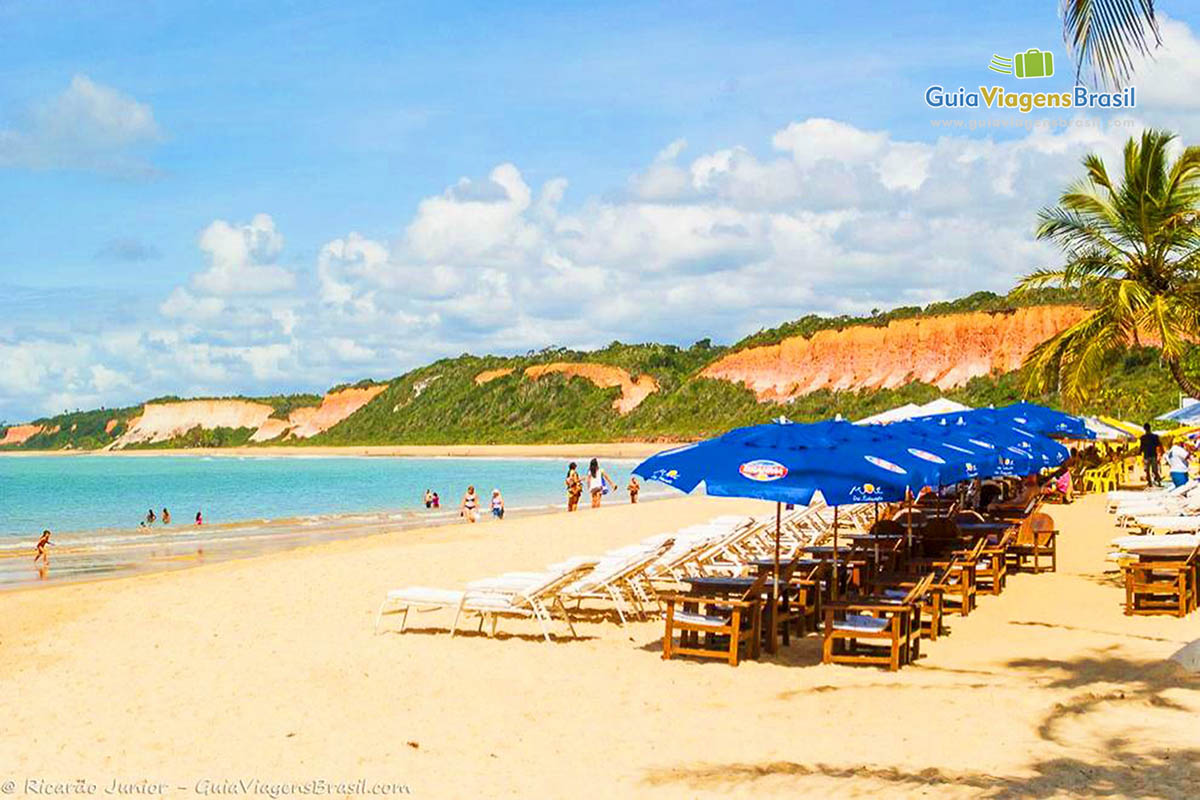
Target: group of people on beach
<point>598,484</point>
<point>468,509</point>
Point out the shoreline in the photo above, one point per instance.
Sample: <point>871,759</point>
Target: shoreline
<point>104,554</point>
<point>596,449</point>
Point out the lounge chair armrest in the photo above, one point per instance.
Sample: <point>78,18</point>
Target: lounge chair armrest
<point>713,601</point>
<point>880,607</point>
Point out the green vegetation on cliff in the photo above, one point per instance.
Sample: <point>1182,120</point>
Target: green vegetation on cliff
<point>442,404</point>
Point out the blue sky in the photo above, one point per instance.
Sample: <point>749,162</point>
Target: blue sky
<point>128,130</point>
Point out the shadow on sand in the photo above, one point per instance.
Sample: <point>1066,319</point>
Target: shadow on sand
<point>1116,767</point>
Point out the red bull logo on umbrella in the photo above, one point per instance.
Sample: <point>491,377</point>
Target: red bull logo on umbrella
<point>763,470</point>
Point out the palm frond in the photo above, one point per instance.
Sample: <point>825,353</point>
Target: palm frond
<point>1105,35</point>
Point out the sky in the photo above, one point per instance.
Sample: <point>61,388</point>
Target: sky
<point>250,198</point>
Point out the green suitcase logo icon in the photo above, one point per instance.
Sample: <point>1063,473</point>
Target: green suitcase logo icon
<point>1033,63</point>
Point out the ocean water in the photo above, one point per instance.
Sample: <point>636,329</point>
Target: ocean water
<point>82,493</point>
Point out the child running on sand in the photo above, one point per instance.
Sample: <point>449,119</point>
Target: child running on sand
<point>42,544</point>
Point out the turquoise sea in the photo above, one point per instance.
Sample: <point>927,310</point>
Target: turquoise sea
<point>95,504</point>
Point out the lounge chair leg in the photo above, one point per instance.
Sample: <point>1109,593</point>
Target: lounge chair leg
<point>735,637</point>
<point>666,654</point>
<point>404,619</point>
<point>457,614</point>
<point>379,616</point>
<point>567,617</point>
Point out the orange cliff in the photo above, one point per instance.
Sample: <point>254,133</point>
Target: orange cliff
<point>633,392</point>
<point>19,434</point>
<point>944,351</point>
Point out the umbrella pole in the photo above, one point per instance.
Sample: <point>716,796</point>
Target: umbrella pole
<point>908,497</point>
<point>775,580</point>
<point>835,567</point>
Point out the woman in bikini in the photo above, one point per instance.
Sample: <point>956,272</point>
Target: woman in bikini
<point>470,504</point>
<point>574,487</point>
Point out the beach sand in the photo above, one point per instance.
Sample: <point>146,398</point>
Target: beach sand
<point>268,669</point>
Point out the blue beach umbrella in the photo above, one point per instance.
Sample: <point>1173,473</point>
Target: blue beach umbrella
<point>1046,421</point>
<point>790,463</point>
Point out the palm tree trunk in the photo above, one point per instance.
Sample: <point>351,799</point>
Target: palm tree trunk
<point>1189,386</point>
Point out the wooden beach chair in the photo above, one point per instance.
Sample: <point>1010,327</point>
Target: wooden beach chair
<point>857,630</point>
<point>1035,542</point>
<point>1161,586</point>
<point>726,624</point>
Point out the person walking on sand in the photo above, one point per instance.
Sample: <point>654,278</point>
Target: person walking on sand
<point>469,508</point>
<point>634,487</point>
<point>1178,460</point>
<point>1151,448</point>
<point>598,482</point>
<point>574,487</point>
<point>166,517</point>
<point>497,504</point>
<point>42,544</point>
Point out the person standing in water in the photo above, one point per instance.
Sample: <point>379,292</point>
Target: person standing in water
<point>150,518</point>
<point>634,487</point>
<point>428,498</point>
<point>574,487</point>
<point>598,482</point>
<point>42,544</point>
<point>166,517</point>
<point>199,518</point>
<point>470,505</point>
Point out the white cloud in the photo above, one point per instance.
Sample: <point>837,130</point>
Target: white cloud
<point>823,216</point>
<point>240,259</point>
<point>87,126</point>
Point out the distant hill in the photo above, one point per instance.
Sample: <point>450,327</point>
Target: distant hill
<point>814,367</point>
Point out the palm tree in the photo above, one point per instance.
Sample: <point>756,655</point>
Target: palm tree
<point>1105,35</point>
<point>1133,250</point>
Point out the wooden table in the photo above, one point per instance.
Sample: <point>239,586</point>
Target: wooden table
<point>735,587</point>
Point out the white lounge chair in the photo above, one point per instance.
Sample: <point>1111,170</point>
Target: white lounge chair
<point>533,595</point>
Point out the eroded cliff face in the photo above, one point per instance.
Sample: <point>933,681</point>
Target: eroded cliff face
<point>632,392</point>
<point>944,351</point>
<point>489,375</point>
<point>160,422</point>
<point>19,434</point>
